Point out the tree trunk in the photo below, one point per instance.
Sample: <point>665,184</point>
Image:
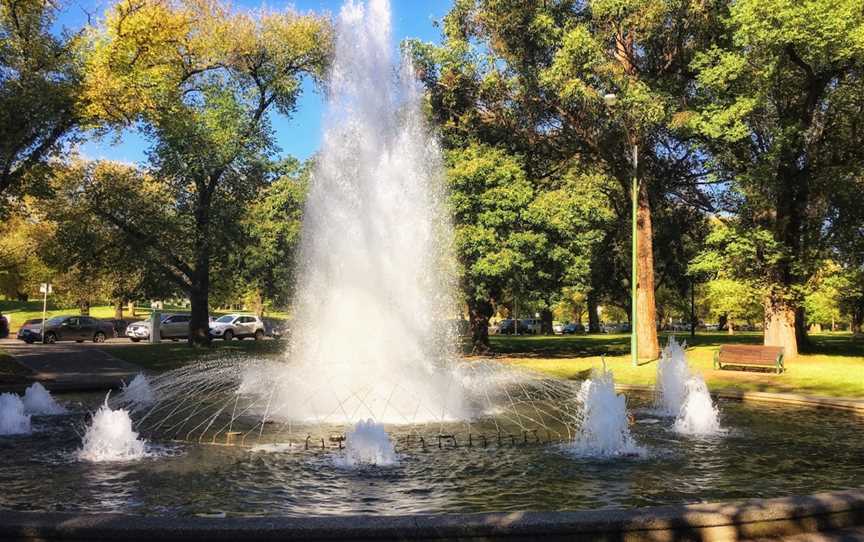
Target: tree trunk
<point>780,327</point>
<point>546,322</point>
<point>730,326</point>
<point>199,291</point>
<point>801,336</point>
<point>118,309</point>
<point>858,320</point>
<point>480,312</point>
<point>131,309</point>
<point>84,307</point>
<point>646,307</point>
<point>593,317</point>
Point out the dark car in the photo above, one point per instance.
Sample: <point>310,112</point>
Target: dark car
<point>572,328</point>
<point>275,327</point>
<point>505,327</point>
<point>30,328</point>
<point>73,328</point>
<point>119,326</point>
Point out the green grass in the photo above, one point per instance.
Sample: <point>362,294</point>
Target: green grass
<point>171,355</point>
<point>834,366</point>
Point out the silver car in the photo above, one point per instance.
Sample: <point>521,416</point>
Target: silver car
<point>238,326</point>
<point>172,326</point>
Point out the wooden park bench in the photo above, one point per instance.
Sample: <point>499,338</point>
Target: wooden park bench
<point>749,355</point>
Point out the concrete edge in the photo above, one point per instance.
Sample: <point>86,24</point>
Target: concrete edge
<point>757,518</point>
<point>817,401</point>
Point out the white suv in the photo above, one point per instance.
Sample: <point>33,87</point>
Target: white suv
<point>237,325</point>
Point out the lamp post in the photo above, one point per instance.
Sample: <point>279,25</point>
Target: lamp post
<point>610,100</point>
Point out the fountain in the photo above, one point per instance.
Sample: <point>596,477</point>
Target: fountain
<point>684,395</point>
<point>368,444</point>
<point>110,437</point>
<point>37,400</point>
<point>13,421</point>
<point>604,422</point>
<point>370,411</point>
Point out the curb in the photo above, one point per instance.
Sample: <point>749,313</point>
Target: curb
<point>758,518</point>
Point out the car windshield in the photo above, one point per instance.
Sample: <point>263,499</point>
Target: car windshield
<point>225,319</point>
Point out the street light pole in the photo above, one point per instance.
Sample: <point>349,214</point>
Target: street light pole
<point>611,100</point>
<point>634,343</point>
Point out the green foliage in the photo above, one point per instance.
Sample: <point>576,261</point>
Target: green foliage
<point>40,98</point>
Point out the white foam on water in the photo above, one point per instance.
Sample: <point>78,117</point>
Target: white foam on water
<point>37,400</point>
<point>110,437</point>
<point>605,424</point>
<point>368,444</point>
<point>13,421</point>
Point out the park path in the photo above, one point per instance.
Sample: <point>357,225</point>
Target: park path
<point>71,366</point>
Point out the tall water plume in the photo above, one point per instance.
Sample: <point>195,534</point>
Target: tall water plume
<point>369,337</point>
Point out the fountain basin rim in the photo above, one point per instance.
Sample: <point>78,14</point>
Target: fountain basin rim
<point>755,518</point>
<point>816,401</point>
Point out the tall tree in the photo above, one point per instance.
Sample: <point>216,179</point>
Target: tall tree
<point>531,77</point>
<point>200,80</point>
<point>782,101</point>
<point>40,79</point>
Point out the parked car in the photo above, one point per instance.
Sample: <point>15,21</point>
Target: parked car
<point>29,330</point>
<point>506,327</point>
<point>238,326</point>
<point>119,326</point>
<point>171,326</point>
<point>573,328</point>
<point>558,328</point>
<point>276,328</point>
<point>532,326</point>
<point>72,328</point>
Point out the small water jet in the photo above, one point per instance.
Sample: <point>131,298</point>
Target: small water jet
<point>368,444</point>
<point>37,400</point>
<point>605,423</point>
<point>110,438</point>
<point>698,415</point>
<point>137,393</point>
<point>684,395</point>
<point>13,421</point>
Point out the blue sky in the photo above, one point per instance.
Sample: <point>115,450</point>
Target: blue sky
<point>300,135</point>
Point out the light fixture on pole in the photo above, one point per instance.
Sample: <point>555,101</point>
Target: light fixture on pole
<point>611,100</point>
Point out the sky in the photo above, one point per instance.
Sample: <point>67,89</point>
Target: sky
<point>298,136</point>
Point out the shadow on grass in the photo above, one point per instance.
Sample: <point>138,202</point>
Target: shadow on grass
<point>580,346</point>
<point>171,355</point>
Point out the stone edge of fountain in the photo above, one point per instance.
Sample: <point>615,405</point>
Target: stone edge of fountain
<point>757,518</point>
<point>816,401</point>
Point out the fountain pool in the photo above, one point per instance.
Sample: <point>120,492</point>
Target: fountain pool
<point>768,451</point>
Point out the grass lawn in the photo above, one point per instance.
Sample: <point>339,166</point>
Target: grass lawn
<point>834,366</point>
<point>171,355</point>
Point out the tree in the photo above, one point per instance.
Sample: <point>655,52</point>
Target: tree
<point>40,99</point>
<point>530,77</point>
<point>734,300</point>
<point>200,81</point>
<point>781,96</point>
<point>272,224</point>
<point>21,268</point>
<point>90,261</point>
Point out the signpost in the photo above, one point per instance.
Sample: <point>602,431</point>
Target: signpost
<point>44,289</point>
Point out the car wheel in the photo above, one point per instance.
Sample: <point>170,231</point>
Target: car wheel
<point>79,340</point>
<point>51,338</point>
<point>135,340</point>
<point>259,335</point>
<point>29,341</point>
<point>99,337</point>
<point>228,336</point>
